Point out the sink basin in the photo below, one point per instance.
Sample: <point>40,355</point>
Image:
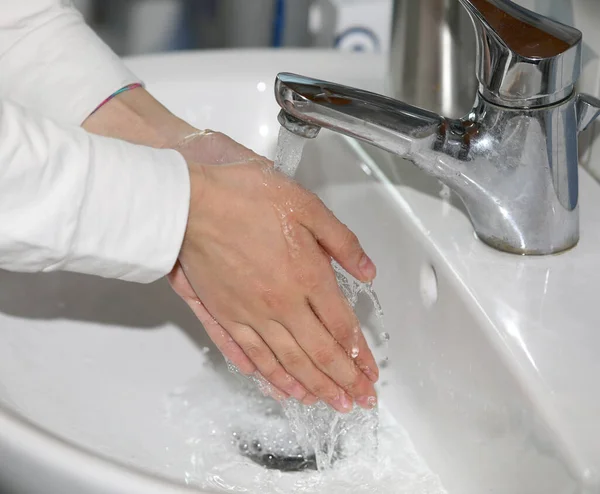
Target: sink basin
<point>109,387</point>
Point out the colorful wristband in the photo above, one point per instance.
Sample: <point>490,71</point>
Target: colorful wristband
<point>122,90</point>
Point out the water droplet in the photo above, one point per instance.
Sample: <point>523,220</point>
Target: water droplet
<point>445,193</point>
<point>384,337</point>
<point>354,353</point>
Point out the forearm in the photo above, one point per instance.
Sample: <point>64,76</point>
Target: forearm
<point>136,116</point>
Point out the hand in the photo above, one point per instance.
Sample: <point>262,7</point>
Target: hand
<point>225,343</point>
<point>281,304</point>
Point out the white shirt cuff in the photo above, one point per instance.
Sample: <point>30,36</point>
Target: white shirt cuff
<point>134,217</point>
<point>78,202</point>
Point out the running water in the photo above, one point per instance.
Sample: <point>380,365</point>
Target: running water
<point>242,441</point>
<point>320,429</point>
<point>289,152</point>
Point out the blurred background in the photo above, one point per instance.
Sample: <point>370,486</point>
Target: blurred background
<point>135,27</point>
<point>430,44</point>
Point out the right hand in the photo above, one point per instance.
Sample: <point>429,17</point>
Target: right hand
<point>257,252</point>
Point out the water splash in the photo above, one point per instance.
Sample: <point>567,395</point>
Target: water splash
<point>224,420</point>
<point>319,430</point>
<point>331,436</point>
<point>324,432</point>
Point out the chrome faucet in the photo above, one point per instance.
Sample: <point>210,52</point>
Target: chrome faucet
<point>513,159</point>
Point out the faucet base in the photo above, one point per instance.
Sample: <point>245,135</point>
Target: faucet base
<point>501,245</point>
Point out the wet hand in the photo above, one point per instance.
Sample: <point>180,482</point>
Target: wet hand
<point>257,253</point>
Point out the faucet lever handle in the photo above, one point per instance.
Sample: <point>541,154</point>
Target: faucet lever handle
<point>524,59</point>
<point>588,110</point>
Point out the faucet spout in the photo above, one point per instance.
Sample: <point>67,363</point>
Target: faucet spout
<point>391,125</point>
<point>515,169</point>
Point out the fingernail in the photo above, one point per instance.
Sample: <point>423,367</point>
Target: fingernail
<point>342,403</point>
<point>367,268</point>
<point>367,402</point>
<point>373,377</point>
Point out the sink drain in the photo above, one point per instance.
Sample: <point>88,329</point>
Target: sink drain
<point>286,459</point>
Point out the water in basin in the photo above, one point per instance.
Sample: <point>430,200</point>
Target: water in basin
<point>364,452</point>
<point>221,425</point>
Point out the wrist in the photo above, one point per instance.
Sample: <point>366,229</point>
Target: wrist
<point>197,188</point>
<point>137,117</point>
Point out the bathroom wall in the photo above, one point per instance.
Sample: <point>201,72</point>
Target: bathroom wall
<point>352,25</point>
<point>133,27</point>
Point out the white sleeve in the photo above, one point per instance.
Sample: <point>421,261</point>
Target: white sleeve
<point>51,61</point>
<point>79,202</point>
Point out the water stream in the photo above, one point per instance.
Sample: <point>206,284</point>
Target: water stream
<point>242,441</point>
<point>319,429</point>
<point>289,152</point>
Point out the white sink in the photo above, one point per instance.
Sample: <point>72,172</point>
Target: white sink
<point>493,357</point>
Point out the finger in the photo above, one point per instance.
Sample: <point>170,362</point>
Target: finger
<point>298,364</point>
<point>337,240</point>
<point>230,349</point>
<point>265,361</point>
<point>329,357</point>
<point>334,311</point>
<point>222,340</point>
<point>220,337</point>
<point>234,353</point>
